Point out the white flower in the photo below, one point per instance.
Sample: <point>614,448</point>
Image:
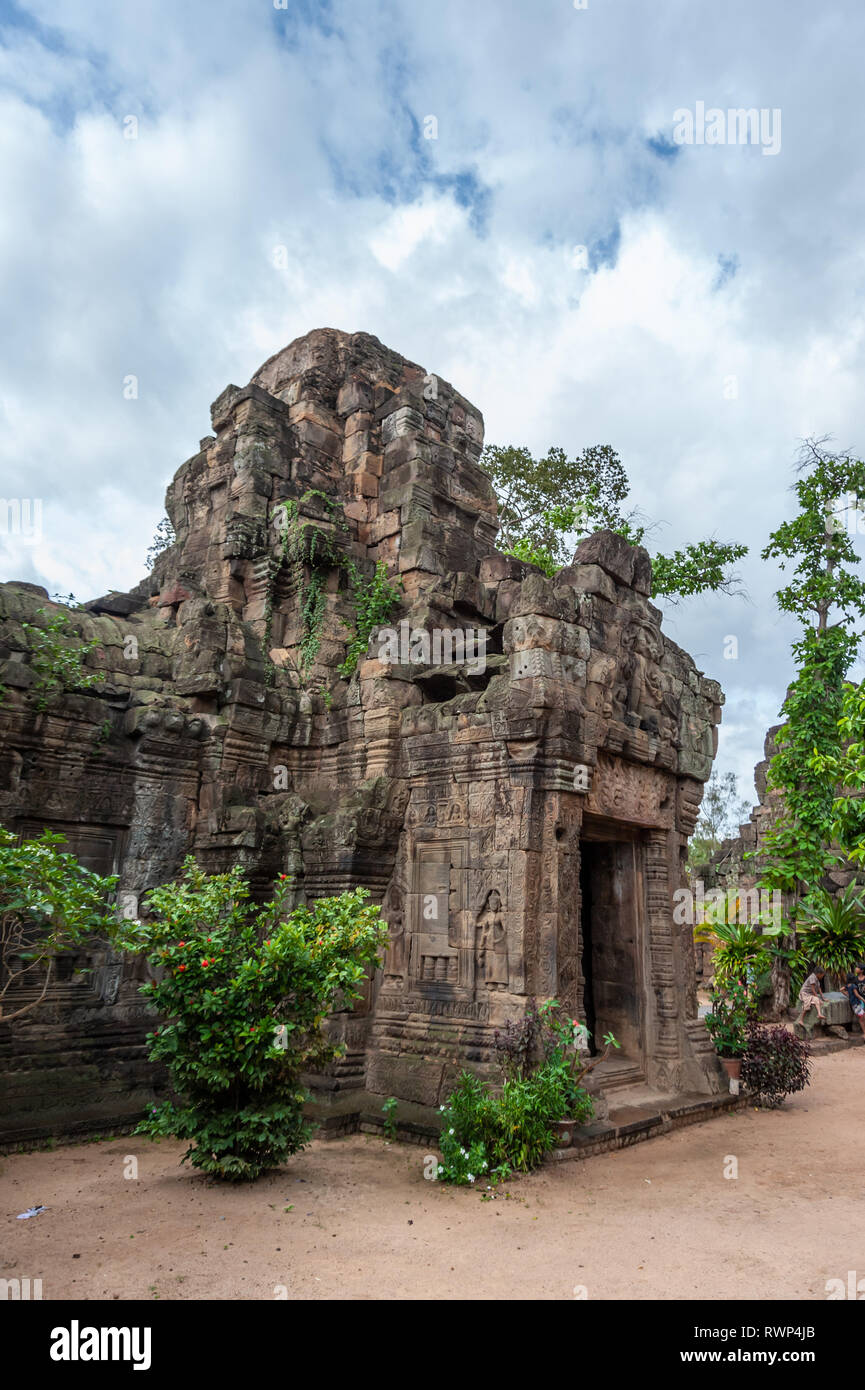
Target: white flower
<point>470,1176</point>
<point>441,1107</point>
<point>450,1131</point>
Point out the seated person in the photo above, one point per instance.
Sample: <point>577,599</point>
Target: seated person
<point>855,987</point>
<point>811,995</point>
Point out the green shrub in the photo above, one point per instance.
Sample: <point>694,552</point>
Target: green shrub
<point>741,949</point>
<point>48,904</point>
<point>491,1135</point>
<point>243,992</point>
<point>543,1037</point>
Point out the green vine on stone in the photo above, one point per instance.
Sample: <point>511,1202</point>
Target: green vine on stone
<point>312,614</point>
<point>373,599</point>
<point>313,603</point>
<point>57,658</point>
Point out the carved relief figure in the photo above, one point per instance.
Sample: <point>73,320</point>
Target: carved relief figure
<point>638,693</point>
<point>393,912</point>
<point>491,944</point>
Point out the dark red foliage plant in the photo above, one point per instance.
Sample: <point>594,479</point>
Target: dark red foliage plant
<point>775,1064</point>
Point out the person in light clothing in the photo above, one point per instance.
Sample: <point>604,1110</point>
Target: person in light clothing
<point>811,995</point>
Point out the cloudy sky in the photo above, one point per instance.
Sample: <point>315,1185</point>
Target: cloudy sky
<point>495,190</point>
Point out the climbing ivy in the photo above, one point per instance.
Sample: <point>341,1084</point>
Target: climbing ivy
<point>373,599</point>
<point>310,592</point>
<point>312,612</point>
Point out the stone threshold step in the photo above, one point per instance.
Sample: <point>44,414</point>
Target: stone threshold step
<point>629,1124</point>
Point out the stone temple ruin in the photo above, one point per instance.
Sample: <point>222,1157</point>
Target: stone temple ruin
<point>522,819</point>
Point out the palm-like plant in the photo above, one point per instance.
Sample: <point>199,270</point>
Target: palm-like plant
<point>832,929</point>
<point>741,950</point>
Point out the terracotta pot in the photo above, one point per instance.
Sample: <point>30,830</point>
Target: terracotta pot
<point>564,1132</point>
<point>732,1066</point>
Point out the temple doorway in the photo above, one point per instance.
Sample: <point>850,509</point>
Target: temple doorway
<point>611,922</point>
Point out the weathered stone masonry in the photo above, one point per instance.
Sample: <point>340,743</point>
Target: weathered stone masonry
<point>449,787</point>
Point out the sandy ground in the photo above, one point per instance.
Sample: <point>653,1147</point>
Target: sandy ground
<point>355,1218</point>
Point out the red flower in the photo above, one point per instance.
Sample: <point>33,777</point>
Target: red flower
<point>181,943</point>
<point>283,875</point>
<point>183,967</point>
<point>204,962</point>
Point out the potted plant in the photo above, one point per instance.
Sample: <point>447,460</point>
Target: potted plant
<point>727,1023</point>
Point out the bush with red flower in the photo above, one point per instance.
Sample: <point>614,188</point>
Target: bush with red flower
<point>243,992</point>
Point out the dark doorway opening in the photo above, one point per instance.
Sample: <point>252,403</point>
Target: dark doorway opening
<point>611,920</point>
<point>586,925</point>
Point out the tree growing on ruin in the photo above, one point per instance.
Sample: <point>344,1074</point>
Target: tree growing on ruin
<point>721,812</point>
<point>547,503</point>
<point>163,539</point>
<point>826,595</point>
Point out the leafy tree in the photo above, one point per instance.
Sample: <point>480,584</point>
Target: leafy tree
<point>827,597</point>
<point>243,992</point>
<point>817,543</point>
<point>48,904</point>
<point>544,502</point>
<point>797,847</point>
<point>845,769</point>
<point>163,539</point>
<point>721,813</point>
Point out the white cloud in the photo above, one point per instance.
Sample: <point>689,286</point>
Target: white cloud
<point>302,129</point>
<point>433,220</point>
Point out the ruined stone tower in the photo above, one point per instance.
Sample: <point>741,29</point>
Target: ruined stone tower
<point>522,818</point>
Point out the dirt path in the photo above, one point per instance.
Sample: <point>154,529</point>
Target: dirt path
<point>658,1220</point>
